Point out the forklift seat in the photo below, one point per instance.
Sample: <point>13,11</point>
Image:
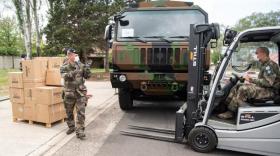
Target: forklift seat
<point>265,102</point>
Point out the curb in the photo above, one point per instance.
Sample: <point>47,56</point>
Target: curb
<point>4,98</point>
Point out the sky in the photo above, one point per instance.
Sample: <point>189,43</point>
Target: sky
<point>226,12</point>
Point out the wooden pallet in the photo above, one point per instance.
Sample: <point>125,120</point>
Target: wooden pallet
<point>48,125</point>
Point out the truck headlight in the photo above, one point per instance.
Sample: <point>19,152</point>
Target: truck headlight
<point>122,78</point>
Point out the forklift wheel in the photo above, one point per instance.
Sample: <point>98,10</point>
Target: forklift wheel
<point>202,139</point>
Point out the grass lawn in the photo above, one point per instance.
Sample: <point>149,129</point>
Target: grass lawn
<point>98,70</point>
<point>4,81</point>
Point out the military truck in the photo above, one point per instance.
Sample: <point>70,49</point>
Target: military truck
<point>150,47</point>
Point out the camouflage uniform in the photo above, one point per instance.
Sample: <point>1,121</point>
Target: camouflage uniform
<point>75,91</point>
<point>265,86</point>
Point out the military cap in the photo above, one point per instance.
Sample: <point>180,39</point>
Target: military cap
<point>71,50</point>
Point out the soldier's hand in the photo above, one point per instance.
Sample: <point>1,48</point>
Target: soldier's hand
<point>247,78</point>
<point>89,96</point>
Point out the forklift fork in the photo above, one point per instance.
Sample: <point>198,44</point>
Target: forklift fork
<point>176,135</point>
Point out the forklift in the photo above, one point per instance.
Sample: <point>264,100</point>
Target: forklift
<point>256,127</point>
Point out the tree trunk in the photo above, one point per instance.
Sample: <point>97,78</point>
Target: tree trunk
<point>107,59</point>
<point>84,55</point>
<point>36,21</point>
<point>28,26</point>
<point>21,20</point>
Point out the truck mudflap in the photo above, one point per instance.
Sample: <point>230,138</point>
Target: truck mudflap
<point>176,136</point>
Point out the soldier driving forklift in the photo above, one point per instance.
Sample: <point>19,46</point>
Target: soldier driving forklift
<point>255,129</point>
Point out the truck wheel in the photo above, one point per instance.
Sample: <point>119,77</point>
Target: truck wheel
<point>125,99</point>
<point>202,139</point>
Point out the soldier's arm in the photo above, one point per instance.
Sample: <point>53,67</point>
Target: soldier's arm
<point>86,72</point>
<point>65,73</point>
<point>268,79</point>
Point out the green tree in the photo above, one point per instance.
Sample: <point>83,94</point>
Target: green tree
<point>78,24</point>
<point>25,23</point>
<point>215,56</point>
<point>8,37</point>
<point>259,20</point>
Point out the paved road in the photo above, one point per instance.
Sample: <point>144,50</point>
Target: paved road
<point>20,138</point>
<point>104,138</point>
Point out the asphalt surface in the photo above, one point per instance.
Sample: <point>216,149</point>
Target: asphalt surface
<point>104,138</point>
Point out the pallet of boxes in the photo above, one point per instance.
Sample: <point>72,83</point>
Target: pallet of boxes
<point>35,93</point>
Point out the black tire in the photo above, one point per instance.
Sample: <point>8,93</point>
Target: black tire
<point>202,139</point>
<point>125,99</point>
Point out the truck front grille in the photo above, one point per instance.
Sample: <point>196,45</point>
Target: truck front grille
<point>163,56</point>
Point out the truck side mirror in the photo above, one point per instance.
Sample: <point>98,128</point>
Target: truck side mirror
<point>216,29</point>
<point>216,34</point>
<point>229,36</point>
<point>108,35</point>
<point>213,44</point>
<point>108,32</point>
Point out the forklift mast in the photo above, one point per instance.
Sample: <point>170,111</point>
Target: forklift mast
<point>191,112</point>
<point>200,36</point>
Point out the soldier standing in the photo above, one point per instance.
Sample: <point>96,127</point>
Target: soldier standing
<point>265,86</point>
<point>74,74</point>
<point>23,57</point>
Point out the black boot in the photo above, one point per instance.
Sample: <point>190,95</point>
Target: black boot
<point>70,130</point>
<point>81,135</point>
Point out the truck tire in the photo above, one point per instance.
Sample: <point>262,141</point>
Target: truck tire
<point>202,139</point>
<point>125,99</point>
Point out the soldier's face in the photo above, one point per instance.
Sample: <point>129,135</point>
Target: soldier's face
<point>260,55</point>
<point>71,57</point>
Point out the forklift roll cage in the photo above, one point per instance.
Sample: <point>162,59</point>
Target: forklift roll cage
<point>227,56</point>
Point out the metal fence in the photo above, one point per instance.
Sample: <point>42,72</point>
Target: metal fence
<point>7,62</point>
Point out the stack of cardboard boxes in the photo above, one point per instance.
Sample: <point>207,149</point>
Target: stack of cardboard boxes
<point>16,93</point>
<point>31,99</point>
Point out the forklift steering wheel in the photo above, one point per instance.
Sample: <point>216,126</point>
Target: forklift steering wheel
<point>243,69</point>
<point>236,78</point>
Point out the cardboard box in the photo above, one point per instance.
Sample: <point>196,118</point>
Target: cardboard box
<point>53,77</point>
<point>15,79</point>
<point>17,95</point>
<point>48,113</point>
<point>28,112</point>
<point>63,111</point>
<point>41,58</point>
<point>29,97</point>
<point>34,70</point>
<point>48,95</point>
<point>17,109</point>
<point>33,84</point>
<point>55,62</point>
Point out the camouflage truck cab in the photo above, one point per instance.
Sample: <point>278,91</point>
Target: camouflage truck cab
<point>150,49</point>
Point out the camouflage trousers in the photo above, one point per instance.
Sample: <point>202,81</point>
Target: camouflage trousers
<point>71,100</point>
<point>242,92</point>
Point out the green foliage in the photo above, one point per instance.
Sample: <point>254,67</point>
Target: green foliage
<point>259,20</point>
<point>215,57</point>
<point>9,37</point>
<point>78,24</point>
<point>97,70</point>
<point>4,76</point>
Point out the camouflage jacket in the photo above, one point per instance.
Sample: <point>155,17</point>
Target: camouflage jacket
<point>269,76</point>
<point>74,76</point>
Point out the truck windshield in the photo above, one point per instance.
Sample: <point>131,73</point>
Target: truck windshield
<point>171,24</point>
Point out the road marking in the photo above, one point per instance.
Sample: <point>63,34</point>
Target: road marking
<point>56,142</point>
